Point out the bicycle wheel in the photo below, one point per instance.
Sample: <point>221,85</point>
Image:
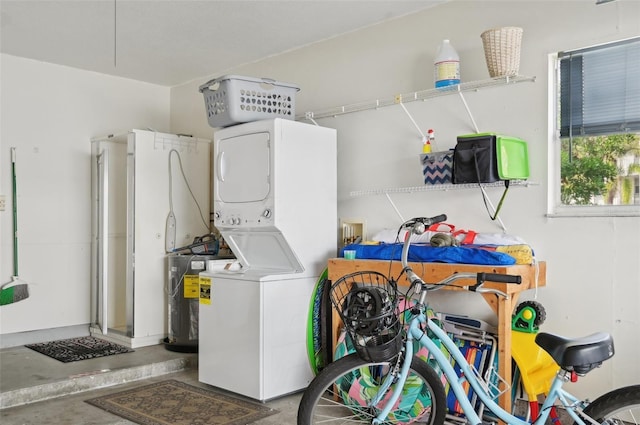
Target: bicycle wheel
<point>621,406</point>
<point>342,393</point>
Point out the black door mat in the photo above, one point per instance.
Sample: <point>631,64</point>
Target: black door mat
<point>75,349</point>
<point>175,402</point>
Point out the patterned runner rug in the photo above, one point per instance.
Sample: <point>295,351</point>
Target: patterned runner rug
<point>174,402</point>
<point>74,349</point>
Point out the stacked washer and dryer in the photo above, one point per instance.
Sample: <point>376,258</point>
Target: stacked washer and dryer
<point>275,204</point>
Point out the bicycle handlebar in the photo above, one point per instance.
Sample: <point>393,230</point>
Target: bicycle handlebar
<point>496,277</point>
<point>418,226</point>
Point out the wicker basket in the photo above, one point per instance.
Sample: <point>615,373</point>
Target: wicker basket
<point>502,50</point>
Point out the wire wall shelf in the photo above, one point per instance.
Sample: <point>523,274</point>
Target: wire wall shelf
<point>415,96</point>
<point>439,188</point>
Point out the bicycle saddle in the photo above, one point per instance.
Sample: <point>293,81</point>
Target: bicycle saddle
<point>577,354</point>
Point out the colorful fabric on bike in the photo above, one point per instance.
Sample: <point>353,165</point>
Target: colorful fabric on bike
<point>357,388</point>
<point>426,253</point>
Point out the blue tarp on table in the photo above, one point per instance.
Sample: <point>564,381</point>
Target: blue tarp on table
<point>468,254</point>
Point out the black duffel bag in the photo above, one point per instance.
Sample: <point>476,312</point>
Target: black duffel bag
<point>477,159</point>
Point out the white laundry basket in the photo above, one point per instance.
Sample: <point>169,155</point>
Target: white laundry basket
<point>233,99</point>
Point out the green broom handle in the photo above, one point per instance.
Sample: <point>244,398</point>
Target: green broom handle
<point>15,212</point>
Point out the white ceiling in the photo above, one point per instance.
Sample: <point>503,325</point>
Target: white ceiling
<point>171,42</point>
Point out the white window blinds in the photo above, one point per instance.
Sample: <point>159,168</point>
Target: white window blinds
<point>600,90</point>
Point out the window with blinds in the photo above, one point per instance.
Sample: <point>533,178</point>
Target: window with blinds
<point>600,90</point>
<point>599,124</point>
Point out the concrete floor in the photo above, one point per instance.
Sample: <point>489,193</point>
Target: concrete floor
<point>38,390</point>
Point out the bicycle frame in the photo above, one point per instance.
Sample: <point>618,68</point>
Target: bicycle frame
<point>416,335</point>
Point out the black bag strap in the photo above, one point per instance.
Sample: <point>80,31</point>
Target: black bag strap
<point>484,197</point>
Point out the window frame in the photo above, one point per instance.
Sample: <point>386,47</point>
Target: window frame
<point>555,208</point>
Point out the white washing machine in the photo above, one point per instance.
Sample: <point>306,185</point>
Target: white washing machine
<point>274,203</point>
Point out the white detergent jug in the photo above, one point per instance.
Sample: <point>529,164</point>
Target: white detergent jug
<point>447,65</point>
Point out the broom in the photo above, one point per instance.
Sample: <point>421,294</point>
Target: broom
<point>16,289</point>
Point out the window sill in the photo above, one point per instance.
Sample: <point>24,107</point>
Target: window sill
<point>596,211</point>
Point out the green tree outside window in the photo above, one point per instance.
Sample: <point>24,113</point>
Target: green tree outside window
<point>592,171</point>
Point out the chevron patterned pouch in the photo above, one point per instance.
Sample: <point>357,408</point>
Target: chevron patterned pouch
<point>437,166</point>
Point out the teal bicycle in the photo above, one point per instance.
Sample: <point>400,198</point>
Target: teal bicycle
<point>384,382</point>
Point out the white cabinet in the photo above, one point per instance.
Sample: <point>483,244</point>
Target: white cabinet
<point>136,182</point>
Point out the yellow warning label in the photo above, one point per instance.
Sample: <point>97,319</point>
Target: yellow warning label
<point>191,286</point>
<point>205,290</point>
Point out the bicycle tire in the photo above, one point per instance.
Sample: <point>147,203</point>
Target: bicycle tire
<point>616,407</point>
<point>339,391</point>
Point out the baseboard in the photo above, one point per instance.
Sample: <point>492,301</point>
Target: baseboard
<point>127,341</point>
<point>43,335</point>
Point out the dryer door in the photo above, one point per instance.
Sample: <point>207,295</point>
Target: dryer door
<point>242,168</point>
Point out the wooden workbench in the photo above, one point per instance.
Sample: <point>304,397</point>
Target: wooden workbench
<point>532,276</point>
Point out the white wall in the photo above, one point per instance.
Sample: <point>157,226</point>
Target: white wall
<point>50,113</point>
<point>593,270</point>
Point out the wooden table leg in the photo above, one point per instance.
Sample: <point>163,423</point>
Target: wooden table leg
<point>503,307</point>
<point>504,350</point>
